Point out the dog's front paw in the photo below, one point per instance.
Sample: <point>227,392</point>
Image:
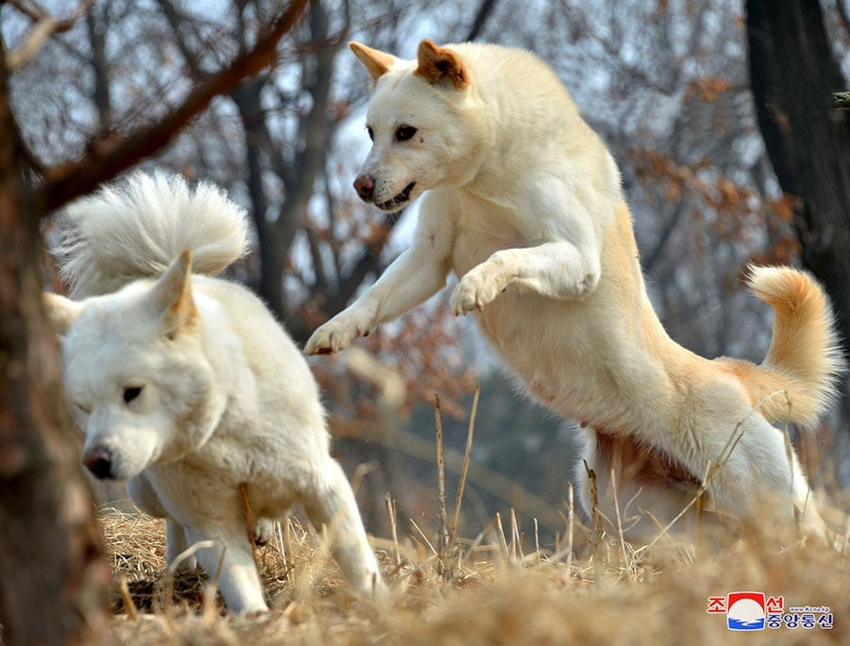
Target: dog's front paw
<point>337,334</point>
<point>263,531</point>
<point>479,287</point>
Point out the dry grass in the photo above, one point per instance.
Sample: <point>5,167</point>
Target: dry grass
<point>496,589</point>
<point>502,587</point>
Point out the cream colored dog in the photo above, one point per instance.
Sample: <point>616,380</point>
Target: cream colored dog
<point>186,386</point>
<point>524,204</point>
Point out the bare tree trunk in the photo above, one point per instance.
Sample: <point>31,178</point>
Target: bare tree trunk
<point>257,139</point>
<point>793,78</point>
<point>314,129</point>
<point>52,575</point>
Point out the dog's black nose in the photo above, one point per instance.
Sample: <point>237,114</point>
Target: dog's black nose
<point>98,460</point>
<point>365,186</point>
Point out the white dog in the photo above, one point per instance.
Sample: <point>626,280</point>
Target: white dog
<point>524,204</point>
<point>185,384</point>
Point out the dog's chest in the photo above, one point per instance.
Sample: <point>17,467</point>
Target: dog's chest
<point>479,234</point>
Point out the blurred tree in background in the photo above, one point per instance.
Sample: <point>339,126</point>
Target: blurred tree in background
<point>796,51</point>
<point>53,577</point>
<point>697,99</point>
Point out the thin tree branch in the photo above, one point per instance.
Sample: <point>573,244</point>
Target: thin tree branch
<point>653,255</point>
<point>116,154</point>
<point>369,262</point>
<point>321,284</point>
<point>175,21</point>
<point>484,11</point>
<point>45,27</point>
<point>100,67</point>
<point>331,199</point>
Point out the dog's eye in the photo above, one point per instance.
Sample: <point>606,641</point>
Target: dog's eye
<point>403,133</point>
<point>131,393</point>
<point>85,410</point>
<point>371,133</point>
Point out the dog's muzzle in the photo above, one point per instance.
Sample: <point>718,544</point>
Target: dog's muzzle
<point>98,460</point>
<point>365,187</point>
<point>399,200</point>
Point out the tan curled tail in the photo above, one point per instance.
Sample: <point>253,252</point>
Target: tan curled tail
<point>804,359</point>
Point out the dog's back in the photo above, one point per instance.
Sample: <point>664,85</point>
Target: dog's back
<point>135,230</point>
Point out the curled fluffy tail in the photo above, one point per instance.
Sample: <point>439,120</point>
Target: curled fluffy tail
<point>126,232</point>
<point>798,379</point>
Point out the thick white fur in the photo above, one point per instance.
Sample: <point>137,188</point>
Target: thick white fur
<point>524,204</point>
<point>226,398</point>
<point>129,247</point>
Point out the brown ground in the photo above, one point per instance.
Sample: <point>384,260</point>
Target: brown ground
<point>488,592</point>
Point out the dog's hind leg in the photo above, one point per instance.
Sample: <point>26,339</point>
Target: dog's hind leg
<point>332,504</point>
<point>761,479</point>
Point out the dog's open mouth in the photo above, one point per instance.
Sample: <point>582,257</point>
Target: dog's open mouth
<point>399,200</point>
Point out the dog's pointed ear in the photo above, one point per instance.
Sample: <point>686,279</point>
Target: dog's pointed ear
<point>441,65</point>
<point>61,312</point>
<point>172,296</point>
<point>377,63</point>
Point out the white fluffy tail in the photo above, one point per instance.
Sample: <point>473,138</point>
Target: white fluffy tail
<point>798,379</point>
<point>126,232</point>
